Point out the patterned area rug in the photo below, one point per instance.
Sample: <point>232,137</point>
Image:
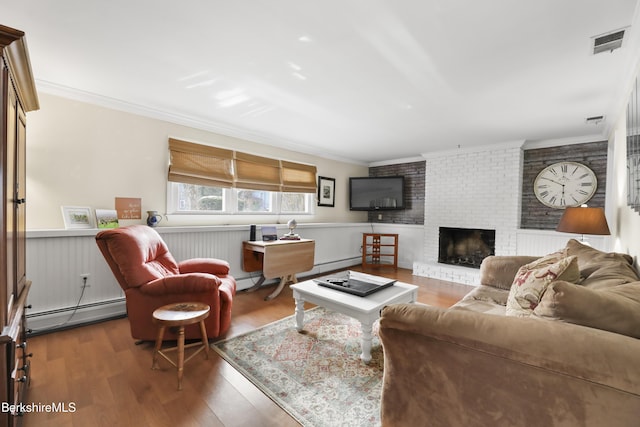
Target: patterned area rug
<point>317,375</point>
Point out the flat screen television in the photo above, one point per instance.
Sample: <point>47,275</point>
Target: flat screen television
<point>376,193</point>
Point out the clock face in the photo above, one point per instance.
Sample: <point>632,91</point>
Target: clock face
<point>565,184</point>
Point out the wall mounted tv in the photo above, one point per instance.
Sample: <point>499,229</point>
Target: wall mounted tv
<point>376,193</point>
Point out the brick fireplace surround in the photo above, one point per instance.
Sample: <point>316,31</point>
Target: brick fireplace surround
<point>471,188</point>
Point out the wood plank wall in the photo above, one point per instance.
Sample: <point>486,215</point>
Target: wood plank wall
<point>414,189</point>
<point>534,214</point>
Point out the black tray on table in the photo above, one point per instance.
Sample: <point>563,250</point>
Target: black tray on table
<point>360,287</point>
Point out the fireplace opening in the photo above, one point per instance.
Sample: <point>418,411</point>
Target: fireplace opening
<point>465,247</point>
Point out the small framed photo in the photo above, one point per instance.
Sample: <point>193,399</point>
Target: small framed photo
<point>326,191</point>
<point>107,218</point>
<point>77,217</point>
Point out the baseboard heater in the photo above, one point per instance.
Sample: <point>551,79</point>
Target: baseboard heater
<point>70,317</point>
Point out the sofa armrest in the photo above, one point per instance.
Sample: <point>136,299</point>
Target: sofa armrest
<point>499,271</point>
<point>204,265</point>
<point>467,368</point>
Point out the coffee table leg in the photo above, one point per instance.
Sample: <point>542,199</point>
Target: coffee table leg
<point>367,329</point>
<point>299,313</point>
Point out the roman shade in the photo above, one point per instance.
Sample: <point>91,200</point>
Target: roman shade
<point>298,178</point>
<point>199,164</point>
<point>256,172</point>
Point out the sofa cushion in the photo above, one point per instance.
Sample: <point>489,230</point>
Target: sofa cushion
<point>484,299</point>
<point>601,269</point>
<point>615,309</point>
<point>532,280</point>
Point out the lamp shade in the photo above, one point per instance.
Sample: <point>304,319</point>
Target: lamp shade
<point>584,220</point>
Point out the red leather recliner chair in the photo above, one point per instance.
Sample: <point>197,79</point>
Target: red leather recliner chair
<point>151,278</point>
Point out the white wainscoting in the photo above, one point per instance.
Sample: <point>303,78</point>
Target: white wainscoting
<point>56,260</point>
<point>543,242</point>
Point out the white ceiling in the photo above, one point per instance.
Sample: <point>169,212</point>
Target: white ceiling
<point>364,81</point>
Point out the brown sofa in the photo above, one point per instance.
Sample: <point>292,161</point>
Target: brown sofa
<point>571,358</point>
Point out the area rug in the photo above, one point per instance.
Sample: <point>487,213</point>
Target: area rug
<point>317,375</point>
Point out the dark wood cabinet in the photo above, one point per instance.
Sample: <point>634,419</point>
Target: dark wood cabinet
<point>17,96</point>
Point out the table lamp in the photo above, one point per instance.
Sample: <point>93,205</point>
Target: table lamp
<point>584,220</point>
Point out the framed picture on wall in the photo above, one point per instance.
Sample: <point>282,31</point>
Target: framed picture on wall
<point>326,191</point>
<point>77,217</point>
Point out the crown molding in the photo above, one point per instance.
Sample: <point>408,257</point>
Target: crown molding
<point>396,161</point>
<point>14,44</point>
<point>546,143</point>
<point>473,149</point>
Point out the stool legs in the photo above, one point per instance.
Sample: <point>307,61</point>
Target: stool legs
<point>205,341</point>
<point>156,350</point>
<point>180,350</point>
<point>180,356</point>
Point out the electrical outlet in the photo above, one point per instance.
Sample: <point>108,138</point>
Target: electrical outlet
<point>84,280</point>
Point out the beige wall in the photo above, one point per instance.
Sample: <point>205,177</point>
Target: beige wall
<point>80,154</point>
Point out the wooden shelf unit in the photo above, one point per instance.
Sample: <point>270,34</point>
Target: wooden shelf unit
<point>379,250</point>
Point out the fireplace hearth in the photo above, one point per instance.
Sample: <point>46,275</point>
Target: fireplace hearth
<point>465,247</point>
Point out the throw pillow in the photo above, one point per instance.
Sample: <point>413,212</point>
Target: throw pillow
<point>532,280</point>
<point>601,269</point>
<point>615,309</point>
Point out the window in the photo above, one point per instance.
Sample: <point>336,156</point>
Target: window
<point>197,198</point>
<point>191,198</point>
<point>296,202</point>
<point>255,201</point>
<point>205,179</point>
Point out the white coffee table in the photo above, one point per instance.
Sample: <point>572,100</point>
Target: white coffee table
<point>364,309</point>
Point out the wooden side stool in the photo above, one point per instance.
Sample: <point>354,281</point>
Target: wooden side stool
<point>180,315</point>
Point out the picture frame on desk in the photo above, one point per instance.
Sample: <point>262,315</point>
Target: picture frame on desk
<point>326,191</point>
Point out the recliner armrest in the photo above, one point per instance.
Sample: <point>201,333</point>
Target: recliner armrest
<point>204,265</point>
<point>182,284</point>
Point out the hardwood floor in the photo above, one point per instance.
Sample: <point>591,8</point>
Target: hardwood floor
<point>107,377</point>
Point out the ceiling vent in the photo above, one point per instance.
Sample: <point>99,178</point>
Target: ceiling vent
<point>594,120</point>
<point>608,42</point>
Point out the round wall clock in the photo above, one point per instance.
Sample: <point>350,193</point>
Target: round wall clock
<point>565,184</point>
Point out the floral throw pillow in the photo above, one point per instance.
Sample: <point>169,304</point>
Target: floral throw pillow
<point>532,280</point>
